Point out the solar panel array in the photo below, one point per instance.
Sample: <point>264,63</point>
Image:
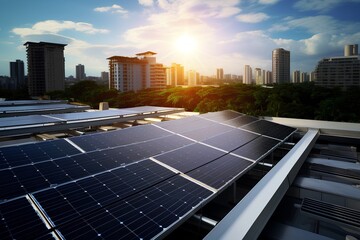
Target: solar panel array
<point>135,183</point>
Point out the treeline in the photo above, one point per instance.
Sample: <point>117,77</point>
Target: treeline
<point>303,100</point>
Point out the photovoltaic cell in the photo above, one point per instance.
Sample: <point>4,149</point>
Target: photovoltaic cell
<point>141,216</point>
<point>217,173</point>
<point>222,115</point>
<point>190,157</point>
<point>35,152</point>
<point>270,129</point>
<point>18,220</point>
<point>231,140</point>
<point>121,137</point>
<point>257,148</point>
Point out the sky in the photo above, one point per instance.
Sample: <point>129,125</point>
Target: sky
<point>201,35</point>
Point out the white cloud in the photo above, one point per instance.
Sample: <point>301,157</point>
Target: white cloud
<point>113,9</point>
<point>54,26</point>
<point>268,1</point>
<point>252,17</point>
<point>146,3</point>
<point>319,5</point>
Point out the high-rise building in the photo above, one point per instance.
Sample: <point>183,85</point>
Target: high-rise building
<point>80,72</point>
<point>136,73</point>
<point>219,73</point>
<point>268,77</point>
<point>104,76</point>
<point>193,78</point>
<point>17,75</point>
<point>304,77</point>
<point>46,67</point>
<point>281,65</point>
<point>341,72</point>
<point>258,76</point>
<point>296,76</point>
<point>248,75</point>
<point>175,75</point>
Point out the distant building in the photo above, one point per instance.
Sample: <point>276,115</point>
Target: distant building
<point>80,72</point>
<point>104,76</point>
<point>341,72</point>
<point>281,65</point>
<point>46,67</point>
<point>312,76</point>
<point>193,78</point>
<point>296,76</point>
<point>136,73</point>
<point>219,74</point>
<point>304,77</point>
<point>248,75</point>
<point>268,77</point>
<point>175,75</point>
<point>17,74</point>
<point>258,76</point>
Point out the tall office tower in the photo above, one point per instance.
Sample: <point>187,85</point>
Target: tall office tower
<point>17,74</point>
<point>248,75</point>
<point>296,76</point>
<point>136,73</point>
<point>193,78</point>
<point>219,73</point>
<point>281,65</point>
<point>46,67</point>
<point>80,72</point>
<point>312,76</point>
<point>258,76</point>
<point>176,75</point>
<point>341,71</point>
<point>268,77</point>
<point>304,77</point>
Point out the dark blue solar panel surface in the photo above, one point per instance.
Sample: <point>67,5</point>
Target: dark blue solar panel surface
<point>231,140</point>
<point>217,173</point>
<point>119,137</point>
<point>91,115</point>
<point>270,129</point>
<point>206,132</point>
<point>241,121</point>
<point>222,116</point>
<point>18,220</point>
<point>257,148</point>
<point>190,157</point>
<point>32,153</point>
<point>140,216</point>
<point>38,107</point>
<point>186,124</point>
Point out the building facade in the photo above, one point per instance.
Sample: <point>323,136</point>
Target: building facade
<point>80,72</point>
<point>281,66</point>
<point>175,75</point>
<point>248,75</point>
<point>296,76</point>
<point>46,67</point>
<point>341,72</point>
<point>219,73</point>
<point>17,75</point>
<point>136,73</point>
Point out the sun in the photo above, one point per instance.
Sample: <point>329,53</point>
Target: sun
<point>186,44</point>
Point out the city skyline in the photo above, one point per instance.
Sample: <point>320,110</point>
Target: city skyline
<point>201,35</point>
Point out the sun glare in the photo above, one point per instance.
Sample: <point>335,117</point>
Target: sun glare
<point>186,44</point>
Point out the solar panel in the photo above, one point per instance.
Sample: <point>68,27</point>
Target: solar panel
<point>190,157</point>
<point>94,192</point>
<point>35,152</point>
<point>119,137</point>
<point>217,173</point>
<point>11,122</point>
<point>257,148</point>
<point>185,124</point>
<point>141,216</point>
<point>222,116</point>
<point>207,131</point>
<point>91,115</point>
<point>270,129</point>
<point>231,140</point>
<point>40,107</point>
<point>241,121</point>
<point>18,220</point>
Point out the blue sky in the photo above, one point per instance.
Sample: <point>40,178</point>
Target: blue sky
<point>200,34</point>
